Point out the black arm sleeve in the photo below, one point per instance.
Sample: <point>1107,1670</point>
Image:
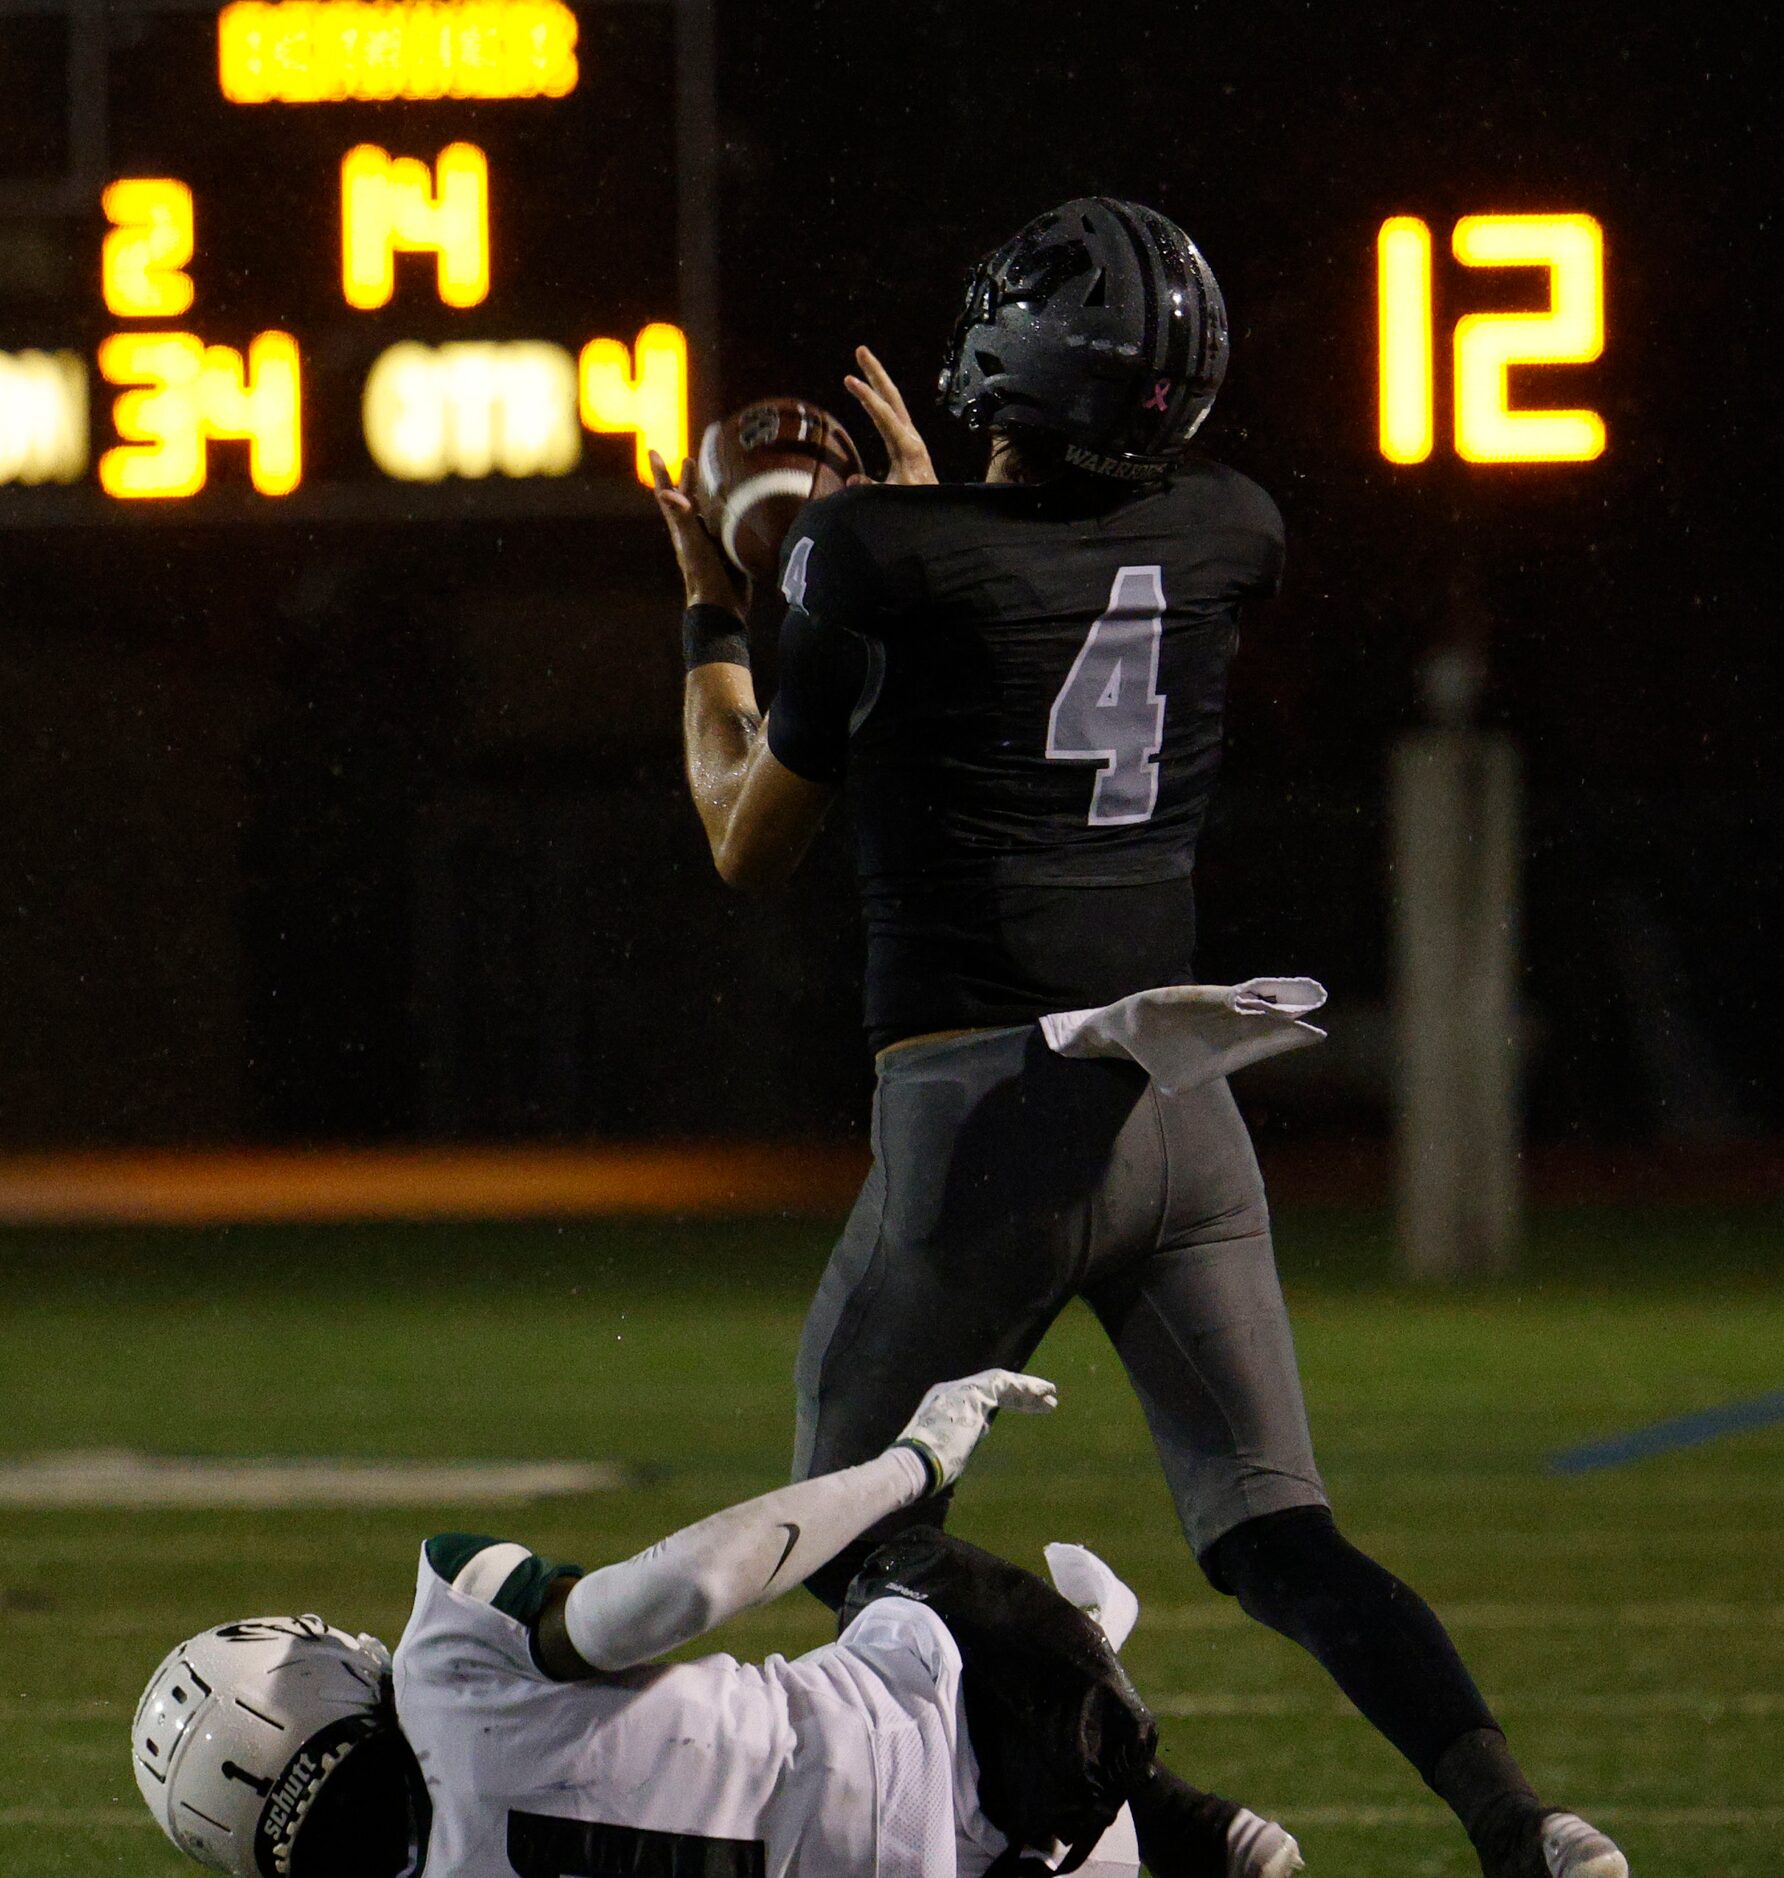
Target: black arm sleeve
<point>1272,549</point>
<point>827,655</point>
<point>823,674</point>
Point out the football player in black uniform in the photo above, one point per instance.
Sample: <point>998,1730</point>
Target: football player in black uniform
<point>1019,685</point>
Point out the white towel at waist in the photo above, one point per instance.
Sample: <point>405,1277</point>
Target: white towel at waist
<point>1185,1035</point>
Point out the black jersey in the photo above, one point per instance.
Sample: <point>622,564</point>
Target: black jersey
<point>1022,691</point>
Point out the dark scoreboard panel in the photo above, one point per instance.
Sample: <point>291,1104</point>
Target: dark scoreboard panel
<point>412,258</point>
<point>357,257</point>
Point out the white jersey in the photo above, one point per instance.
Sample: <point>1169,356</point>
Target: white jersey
<point>853,1759</point>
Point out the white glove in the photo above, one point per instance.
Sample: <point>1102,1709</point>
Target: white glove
<point>1081,1578</point>
<point>952,1418</point>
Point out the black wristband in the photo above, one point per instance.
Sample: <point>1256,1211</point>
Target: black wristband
<point>932,1468</point>
<point>713,635</point>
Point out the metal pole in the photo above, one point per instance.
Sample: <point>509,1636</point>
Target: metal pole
<point>696,141</point>
<point>1455,819</point>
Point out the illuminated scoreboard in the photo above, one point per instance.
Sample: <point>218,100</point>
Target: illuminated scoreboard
<point>288,258</point>
<point>1489,426</point>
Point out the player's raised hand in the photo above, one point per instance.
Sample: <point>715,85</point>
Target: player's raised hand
<point>952,1418</point>
<point>907,454</point>
<point>709,578</point>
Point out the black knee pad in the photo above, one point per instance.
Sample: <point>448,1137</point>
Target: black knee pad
<point>1274,1546</point>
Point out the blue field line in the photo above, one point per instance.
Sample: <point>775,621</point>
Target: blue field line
<point>1682,1431</point>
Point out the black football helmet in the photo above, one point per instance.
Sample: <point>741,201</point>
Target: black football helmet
<point>1100,323</point>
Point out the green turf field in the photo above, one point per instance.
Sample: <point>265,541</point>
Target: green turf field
<point>1627,1624</point>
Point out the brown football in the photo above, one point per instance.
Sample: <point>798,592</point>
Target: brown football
<point>759,466</point>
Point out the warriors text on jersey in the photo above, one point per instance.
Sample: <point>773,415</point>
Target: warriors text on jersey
<point>1022,690</point>
<point>849,1760</point>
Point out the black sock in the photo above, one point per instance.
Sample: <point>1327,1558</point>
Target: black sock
<point>1375,1637</point>
<point>1486,1790</point>
<point>1182,1832</point>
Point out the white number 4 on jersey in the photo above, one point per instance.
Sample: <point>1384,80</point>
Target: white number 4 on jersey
<point>1110,709</point>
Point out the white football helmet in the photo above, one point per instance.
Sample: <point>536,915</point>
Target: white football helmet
<point>239,1728</point>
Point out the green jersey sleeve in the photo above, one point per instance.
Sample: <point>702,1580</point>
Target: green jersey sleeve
<point>497,1572</point>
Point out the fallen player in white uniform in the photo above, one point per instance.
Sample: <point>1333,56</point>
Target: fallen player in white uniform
<point>969,1720</point>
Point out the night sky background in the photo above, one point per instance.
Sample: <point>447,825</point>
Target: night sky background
<point>346,829</point>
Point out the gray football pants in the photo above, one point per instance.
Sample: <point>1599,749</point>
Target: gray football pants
<point>1007,1180</point>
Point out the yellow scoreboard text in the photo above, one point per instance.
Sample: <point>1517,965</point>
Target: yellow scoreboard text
<point>187,394</point>
<point>43,417</point>
<point>144,256</point>
<point>471,408</point>
<point>1487,428</point>
<point>330,51</point>
<point>392,205</point>
<point>517,408</point>
<point>646,393</point>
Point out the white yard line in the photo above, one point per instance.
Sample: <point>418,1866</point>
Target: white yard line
<point>119,1477</point>
<point>131,1820</point>
<point>1760,1622</point>
<point>47,1714</point>
<point>1511,1477</point>
<point>1700,1704</point>
<point>74,1624</point>
<point>1704,1704</point>
<point>1610,1815</point>
<point>369,1549</point>
<point>211,1547</point>
<point>77,1817</point>
<point>1564,1543</point>
<point>1669,1616</point>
